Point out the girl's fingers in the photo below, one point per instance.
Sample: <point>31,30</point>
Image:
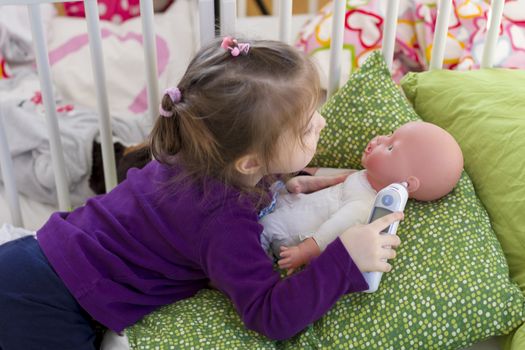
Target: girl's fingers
<point>389,254</point>
<point>385,267</point>
<point>391,241</point>
<point>385,221</point>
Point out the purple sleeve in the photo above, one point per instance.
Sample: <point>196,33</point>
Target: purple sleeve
<point>237,265</point>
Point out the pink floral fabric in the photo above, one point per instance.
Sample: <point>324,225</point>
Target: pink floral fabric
<point>111,10</point>
<point>415,32</point>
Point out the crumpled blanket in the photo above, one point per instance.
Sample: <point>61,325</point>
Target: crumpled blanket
<point>27,136</point>
<point>9,232</point>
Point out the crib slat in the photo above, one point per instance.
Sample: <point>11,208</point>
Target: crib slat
<point>285,21</point>
<point>97,64</point>
<point>275,7</point>
<point>440,34</point>
<point>228,17</point>
<point>8,177</point>
<point>150,57</point>
<point>389,31</point>
<point>242,9</point>
<point>44,74</point>
<point>489,49</point>
<point>206,21</point>
<point>336,46</point>
<point>313,5</point>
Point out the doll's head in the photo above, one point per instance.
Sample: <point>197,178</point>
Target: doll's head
<point>419,153</point>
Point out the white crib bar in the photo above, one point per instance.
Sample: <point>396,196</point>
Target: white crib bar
<point>440,34</point>
<point>99,74</point>
<point>389,32</point>
<point>8,177</point>
<point>206,21</point>
<point>312,6</point>
<point>228,17</point>
<point>275,7</point>
<point>489,49</point>
<point>42,62</point>
<point>285,21</point>
<point>336,46</point>
<point>150,57</point>
<point>242,9</point>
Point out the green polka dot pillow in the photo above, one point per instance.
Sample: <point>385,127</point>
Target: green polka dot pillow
<point>449,286</point>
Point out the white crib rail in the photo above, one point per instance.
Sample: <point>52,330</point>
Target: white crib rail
<point>336,47</point>
<point>285,21</point>
<point>389,32</point>
<point>206,21</point>
<point>440,34</point>
<point>44,73</point>
<point>6,165</point>
<point>150,57</point>
<point>489,49</point>
<point>97,63</point>
<point>228,12</point>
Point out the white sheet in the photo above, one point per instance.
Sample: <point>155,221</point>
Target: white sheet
<point>34,213</point>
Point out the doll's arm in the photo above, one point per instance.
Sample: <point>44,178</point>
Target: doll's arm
<point>353,213</point>
<point>299,255</point>
<point>308,184</point>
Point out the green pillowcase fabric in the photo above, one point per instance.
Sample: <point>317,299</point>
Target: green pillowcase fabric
<point>449,286</point>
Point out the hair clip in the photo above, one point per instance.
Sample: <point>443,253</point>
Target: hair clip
<point>235,48</point>
<point>175,94</point>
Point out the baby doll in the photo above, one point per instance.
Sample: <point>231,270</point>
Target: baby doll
<point>421,154</point>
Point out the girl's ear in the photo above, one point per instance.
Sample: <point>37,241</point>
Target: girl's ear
<point>248,164</point>
<point>413,184</point>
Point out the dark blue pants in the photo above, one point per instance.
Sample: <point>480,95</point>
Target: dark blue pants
<point>37,312</point>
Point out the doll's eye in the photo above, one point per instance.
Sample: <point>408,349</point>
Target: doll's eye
<point>390,147</point>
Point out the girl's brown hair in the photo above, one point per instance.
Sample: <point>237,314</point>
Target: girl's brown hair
<point>231,106</point>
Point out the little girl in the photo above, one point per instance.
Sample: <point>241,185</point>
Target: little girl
<point>190,217</point>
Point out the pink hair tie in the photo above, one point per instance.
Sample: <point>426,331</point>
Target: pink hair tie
<point>175,95</point>
<point>235,48</point>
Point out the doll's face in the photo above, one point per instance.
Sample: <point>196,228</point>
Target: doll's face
<point>387,157</point>
<point>422,154</point>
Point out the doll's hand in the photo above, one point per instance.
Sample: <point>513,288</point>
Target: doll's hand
<point>308,184</point>
<point>299,255</point>
<point>370,249</point>
<point>291,259</point>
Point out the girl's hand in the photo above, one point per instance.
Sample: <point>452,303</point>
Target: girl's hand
<point>370,249</point>
<point>308,184</point>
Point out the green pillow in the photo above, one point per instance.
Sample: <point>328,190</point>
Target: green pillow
<point>449,286</point>
<point>485,111</point>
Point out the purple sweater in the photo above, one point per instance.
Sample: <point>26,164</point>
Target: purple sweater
<point>126,253</point>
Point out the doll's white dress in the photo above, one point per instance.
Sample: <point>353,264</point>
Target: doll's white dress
<point>323,214</point>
